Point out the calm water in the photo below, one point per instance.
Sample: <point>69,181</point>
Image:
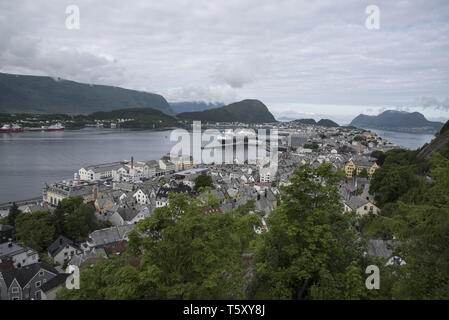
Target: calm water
<point>29,159</point>
<point>411,141</point>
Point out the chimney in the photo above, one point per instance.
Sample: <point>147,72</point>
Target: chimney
<point>132,162</point>
<point>60,241</point>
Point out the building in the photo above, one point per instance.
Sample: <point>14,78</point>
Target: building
<point>25,283</point>
<point>99,172</point>
<point>63,249</point>
<point>56,192</point>
<point>18,255</point>
<point>358,165</point>
<point>360,205</point>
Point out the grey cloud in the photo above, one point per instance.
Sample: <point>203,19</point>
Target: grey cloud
<point>277,51</point>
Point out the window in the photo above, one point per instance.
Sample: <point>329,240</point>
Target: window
<point>38,284</point>
<point>15,290</point>
<point>41,273</point>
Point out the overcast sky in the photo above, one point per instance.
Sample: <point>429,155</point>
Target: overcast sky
<point>301,58</point>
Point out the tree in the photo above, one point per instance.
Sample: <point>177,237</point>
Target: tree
<point>35,229</point>
<point>183,254</point>
<point>203,181</point>
<point>74,219</point>
<point>311,249</point>
<point>13,214</point>
<point>363,173</point>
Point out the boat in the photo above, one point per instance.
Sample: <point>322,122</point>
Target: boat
<point>7,128</point>
<point>55,127</point>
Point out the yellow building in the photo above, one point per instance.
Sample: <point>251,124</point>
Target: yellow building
<point>358,166</point>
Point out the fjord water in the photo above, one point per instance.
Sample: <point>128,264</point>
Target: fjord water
<point>410,141</point>
<point>29,159</point>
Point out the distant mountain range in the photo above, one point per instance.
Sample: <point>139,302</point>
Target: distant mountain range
<point>194,106</point>
<point>401,121</point>
<point>323,122</point>
<point>249,111</point>
<point>36,94</point>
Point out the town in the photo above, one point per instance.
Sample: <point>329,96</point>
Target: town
<point>124,192</point>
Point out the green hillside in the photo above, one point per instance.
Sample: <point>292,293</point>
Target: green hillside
<point>36,94</point>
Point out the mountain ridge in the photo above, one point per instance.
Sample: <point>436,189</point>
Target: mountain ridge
<point>400,121</point>
<point>248,110</point>
<point>42,94</point>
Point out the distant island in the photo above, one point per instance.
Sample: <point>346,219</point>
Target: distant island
<point>246,111</point>
<point>400,121</point>
<point>37,94</point>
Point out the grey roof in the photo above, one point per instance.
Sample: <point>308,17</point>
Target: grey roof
<point>7,249</point>
<point>54,282</point>
<point>60,243</point>
<point>25,274</point>
<point>378,248</point>
<point>356,202</point>
<point>110,235</point>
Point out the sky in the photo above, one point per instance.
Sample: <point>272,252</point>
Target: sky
<point>302,59</point>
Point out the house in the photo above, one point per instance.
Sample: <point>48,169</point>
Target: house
<point>63,249</point>
<point>166,167</point>
<point>103,204</point>
<point>356,166</point>
<point>360,205</point>
<point>381,248</point>
<point>25,283</point>
<point>18,255</point>
<point>109,235</point>
<point>7,233</point>
<point>52,286</point>
<point>129,216</point>
<point>99,172</point>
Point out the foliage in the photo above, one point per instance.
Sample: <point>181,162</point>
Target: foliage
<point>184,254</point>
<point>35,229</point>
<point>311,249</point>
<point>202,181</point>
<point>12,215</point>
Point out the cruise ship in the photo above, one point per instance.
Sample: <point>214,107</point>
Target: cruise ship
<point>7,128</point>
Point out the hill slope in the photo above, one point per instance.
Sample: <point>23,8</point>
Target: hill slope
<point>194,106</point>
<point>397,121</point>
<point>440,143</point>
<point>36,94</point>
<point>250,111</point>
<point>327,123</point>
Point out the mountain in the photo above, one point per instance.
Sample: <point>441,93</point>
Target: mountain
<point>36,94</point>
<point>400,121</point>
<point>250,111</point>
<point>193,106</point>
<point>306,121</point>
<point>327,123</point>
<point>440,143</point>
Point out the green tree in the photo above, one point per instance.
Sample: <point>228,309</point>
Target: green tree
<point>203,181</point>
<point>363,173</point>
<point>13,214</point>
<point>35,229</point>
<point>311,249</point>
<point>182,253</point>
